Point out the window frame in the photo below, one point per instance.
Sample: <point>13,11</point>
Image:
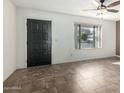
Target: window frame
<point>86,24</point>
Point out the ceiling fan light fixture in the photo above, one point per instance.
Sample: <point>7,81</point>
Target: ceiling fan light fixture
<point>101,11</point>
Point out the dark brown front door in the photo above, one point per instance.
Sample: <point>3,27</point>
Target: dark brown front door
<point>38,42</point>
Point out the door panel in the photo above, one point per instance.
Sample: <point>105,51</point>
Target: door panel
<point>38,42</point>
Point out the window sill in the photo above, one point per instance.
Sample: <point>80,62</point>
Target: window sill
<point>88,48</point>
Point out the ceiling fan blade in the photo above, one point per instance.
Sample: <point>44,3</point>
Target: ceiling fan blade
<point>89,10</point>
<point>114,4</point>
<point>96,3</point>
<point>112,10</point>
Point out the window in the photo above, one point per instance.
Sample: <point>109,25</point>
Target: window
<point>87,36</point>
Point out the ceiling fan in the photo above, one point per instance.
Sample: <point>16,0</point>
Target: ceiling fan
<point>102,7</point>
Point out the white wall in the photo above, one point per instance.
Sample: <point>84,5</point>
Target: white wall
<point>9,38</point>
<point>63,48</point>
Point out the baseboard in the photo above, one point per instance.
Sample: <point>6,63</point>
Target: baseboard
<point>88,59</point>
<point>118,56</point>
<point>5,78</point>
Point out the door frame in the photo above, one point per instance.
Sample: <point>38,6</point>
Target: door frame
<point>25,62</point>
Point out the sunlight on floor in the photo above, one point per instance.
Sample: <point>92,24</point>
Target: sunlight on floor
<point>116,63</point>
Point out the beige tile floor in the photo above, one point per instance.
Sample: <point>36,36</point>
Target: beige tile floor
<point>91,76</point>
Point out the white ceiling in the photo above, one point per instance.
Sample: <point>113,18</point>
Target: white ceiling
<point>73,7</point>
